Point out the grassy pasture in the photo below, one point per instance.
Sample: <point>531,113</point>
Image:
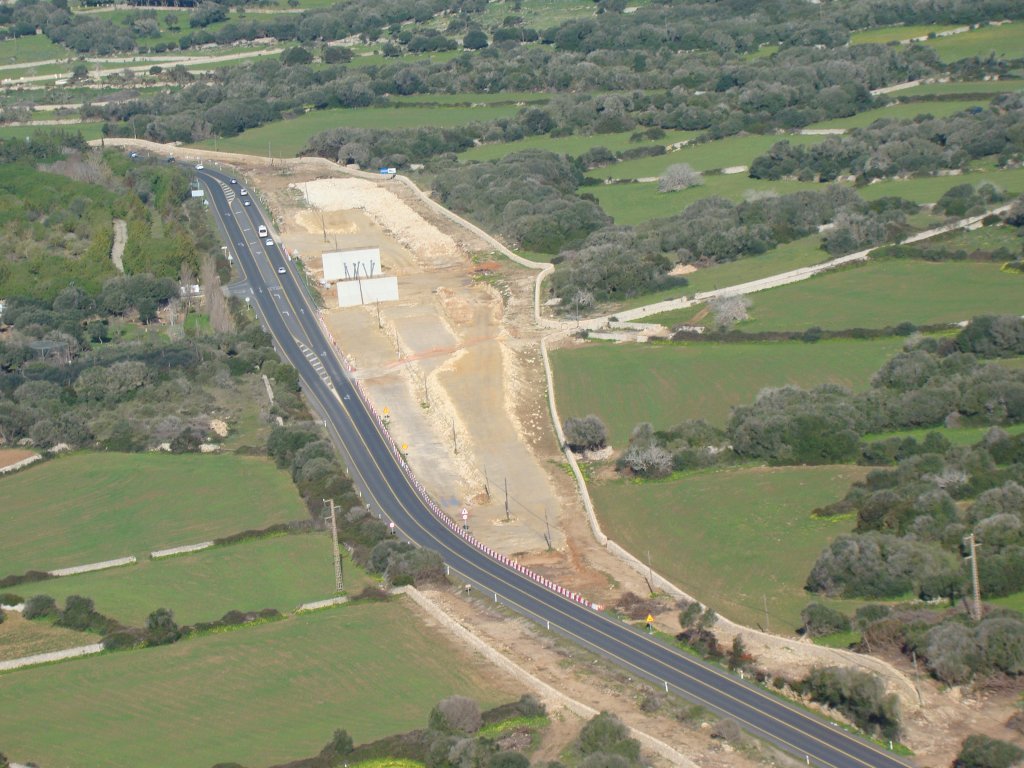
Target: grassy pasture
<point>1006,41</point>
<point>970,86</point>
<point>258,696</point>
<point>287,137</point>
<point>896,33</point>
<point>907,111</point>
<point>928,189</point>
<point>667,383</point>
<point>637,203</point>
<point>280,572</point>
<point>19,637</point>
<point>888,293</point>
<point>89,131</point>
<point>723,153</point>
<point>89,507</point>
<point>957,435</point>
<point>570,145</point>
<point>719,534</point>
<point>799,253</point>
<point>984,239</point>
<point>20,50</point>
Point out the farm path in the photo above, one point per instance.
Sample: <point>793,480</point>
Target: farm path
<point>120,240</point>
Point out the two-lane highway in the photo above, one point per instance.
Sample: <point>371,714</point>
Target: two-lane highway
<point>284,307</point>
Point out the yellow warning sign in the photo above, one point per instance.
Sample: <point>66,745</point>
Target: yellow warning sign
<point>650,619</point>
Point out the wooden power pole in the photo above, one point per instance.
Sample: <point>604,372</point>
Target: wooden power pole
<point>973,556</point>
<point>339,580</point>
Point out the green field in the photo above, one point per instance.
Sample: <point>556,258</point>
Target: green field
<point>667,383</point>
<point>30,48</point>
<point>637,203</point>
<point>89,507</point>
<point>280,572</point>
<point>1013,602</point>
<point>906,111</point>
<point>259,696</point>
<point>733,537</point>
<point>896,33</point>
<point>287,137</point>
<point>970,86</point>
<point>888,293</point>
<point>89,131</point>
<point>571,145</point>
<point>957,435</point>
<point>928,189</point>
<point>984,239</point>
<point>711,155</point>
<point>1006,41</point>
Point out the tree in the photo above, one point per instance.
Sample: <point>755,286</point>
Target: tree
<point>474,40</point>
<point>679,176</point>
<point>738,656</point>
<point>585,434</point>
<point>161,628</point>
<point>297,55</point>
<point>729,310</point>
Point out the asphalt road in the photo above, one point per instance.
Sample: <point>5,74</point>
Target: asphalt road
<point>283,306</point>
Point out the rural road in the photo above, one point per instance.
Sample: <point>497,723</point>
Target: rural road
<point>379,471</point>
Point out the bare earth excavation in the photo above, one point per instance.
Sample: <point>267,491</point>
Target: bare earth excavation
<point>455,365</point>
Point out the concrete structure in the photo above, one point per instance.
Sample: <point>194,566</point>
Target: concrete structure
<point>352,293</point>
<point>347,265</point>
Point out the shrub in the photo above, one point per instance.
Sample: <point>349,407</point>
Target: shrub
<point>980,751</point>
<point>456,714</point>
<point>161,628</point>
<point>859,695</point>
<point>605,733</point>
<point>40,607</point>
<point>508,760</point>
<point>820,620</point>
<point>726,730</point>
<point>124,638</point>
<point>9,598</point>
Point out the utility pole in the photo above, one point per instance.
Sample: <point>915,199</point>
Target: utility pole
<point>767,624</point>
<point>487,485</point>
<point>455,437</point>
<point>379,323</point>
<point>339,581</point>
<point>920,701</point>
<point>547,525</point>
<point>650,571</point>
<point>976,602</point>
<point>507,518</point>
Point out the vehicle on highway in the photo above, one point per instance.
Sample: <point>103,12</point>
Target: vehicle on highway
<point>270,241</point>
<point>261,230</point>
<point>199,166</point>
<point>246,202</point>
<point>243,192</point>
<point>281,270</point>
<point>234,181</point>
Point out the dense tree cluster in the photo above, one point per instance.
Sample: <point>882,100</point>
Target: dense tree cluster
<point>892,147</point>
<point>929,384</point>
<point>526,196</point>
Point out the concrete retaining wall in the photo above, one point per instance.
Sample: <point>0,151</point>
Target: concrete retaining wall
<point>180,550</point>
<point>130,560</point>
<point>46,658</point>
